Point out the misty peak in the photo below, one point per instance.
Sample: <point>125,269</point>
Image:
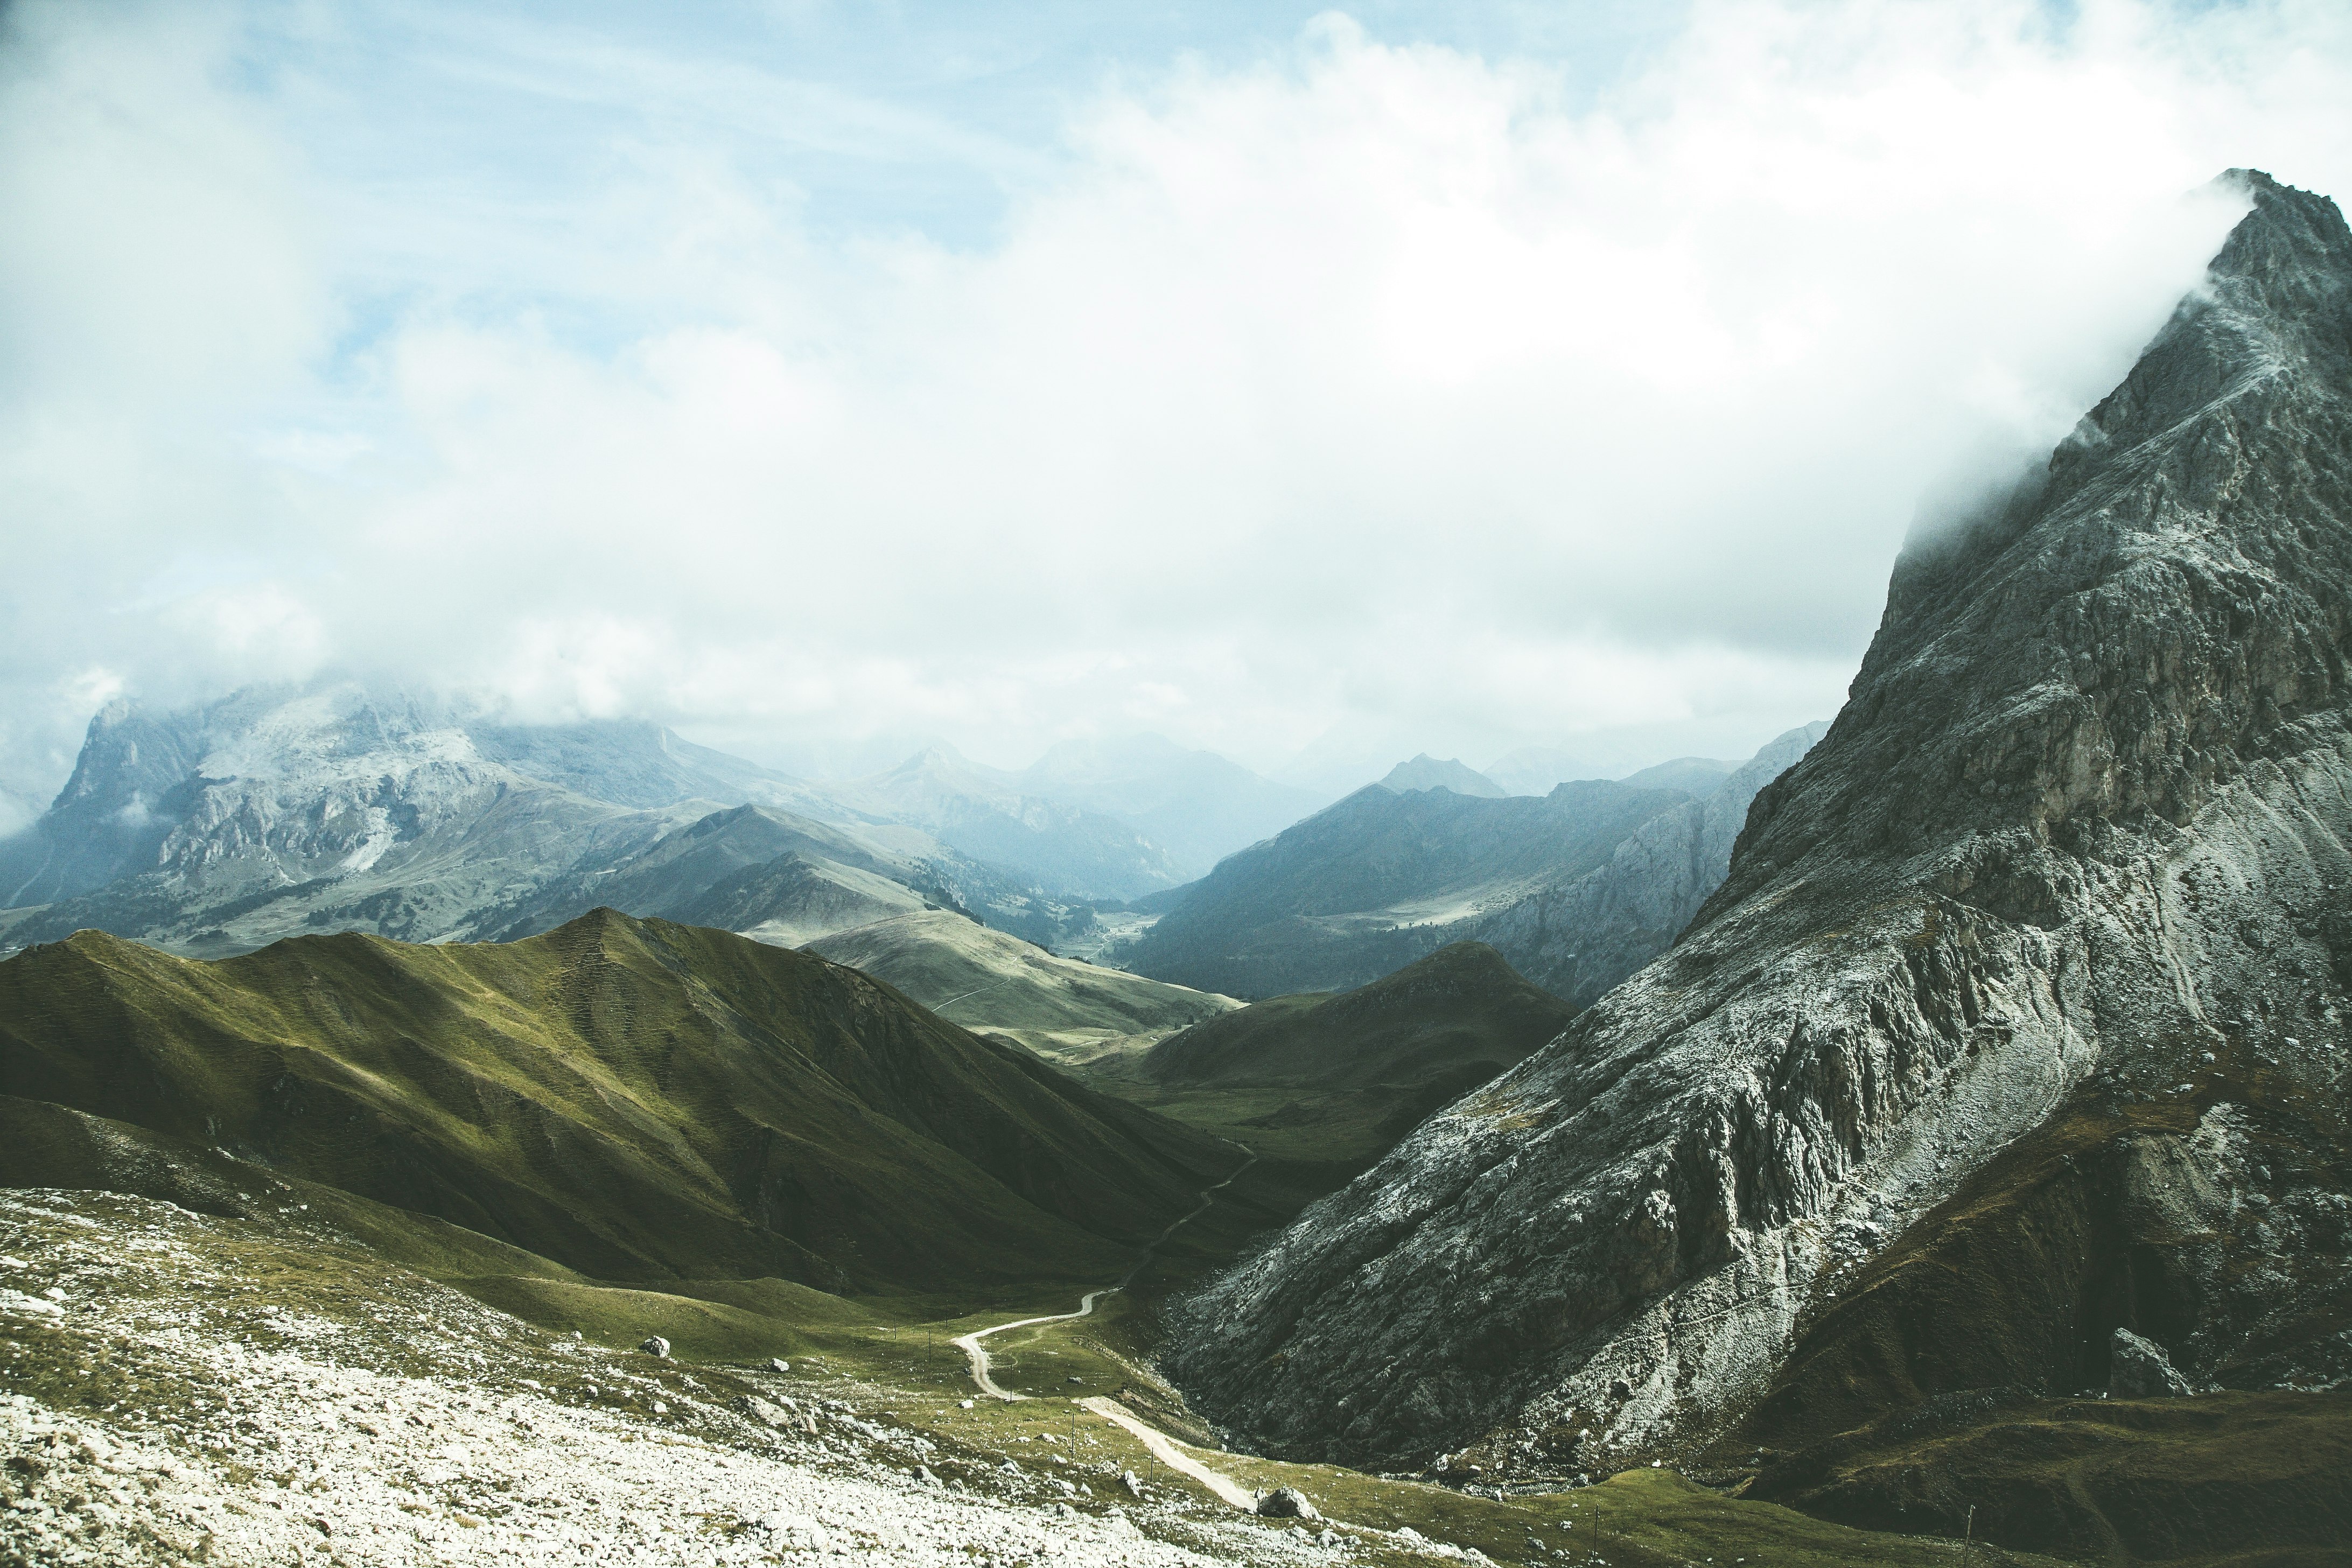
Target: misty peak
<point>1425,772</point>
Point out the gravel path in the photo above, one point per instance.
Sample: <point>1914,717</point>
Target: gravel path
<point>1164,1447</point>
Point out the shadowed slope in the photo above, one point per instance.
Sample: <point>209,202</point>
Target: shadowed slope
<point>1461,1011</point>
<point>634,1100</point>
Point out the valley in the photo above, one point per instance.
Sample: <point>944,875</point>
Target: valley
<point>430,1137</point>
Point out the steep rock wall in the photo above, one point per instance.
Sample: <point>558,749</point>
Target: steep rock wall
<point>2087,808</point>
<point>1577,938</point>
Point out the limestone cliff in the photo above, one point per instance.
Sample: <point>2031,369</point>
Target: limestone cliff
<point>2085,813</point>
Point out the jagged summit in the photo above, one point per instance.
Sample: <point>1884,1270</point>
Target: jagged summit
<point>2086,812</point>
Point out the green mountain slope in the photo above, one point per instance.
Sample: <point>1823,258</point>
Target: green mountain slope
<point>1462,1009</point>
<point>986,980</point>
<point>633,1099</point>
<point>1322,1085</point>
<point>765,873</point>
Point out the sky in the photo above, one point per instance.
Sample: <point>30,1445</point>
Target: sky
<point>1317,386</point>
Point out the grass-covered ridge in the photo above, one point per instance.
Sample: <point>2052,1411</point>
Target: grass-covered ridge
<point>1322,1084</point>
<point>635,1101</point>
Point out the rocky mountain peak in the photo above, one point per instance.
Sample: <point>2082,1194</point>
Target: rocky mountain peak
<point>2086,812</point>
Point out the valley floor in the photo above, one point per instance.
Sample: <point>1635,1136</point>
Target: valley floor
<point>180,1387</point>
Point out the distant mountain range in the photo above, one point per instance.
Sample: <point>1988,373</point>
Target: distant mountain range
<point>1576,889</point>
<point>275,811</point>
<point>1196,806</point>
<point>1068,848</point>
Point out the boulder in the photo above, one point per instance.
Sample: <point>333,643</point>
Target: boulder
<point>779,1364</point>
<point>1286,1503</point>
<point>654,1345</point>
<point>759,1410</point>
<point>2138,1369</point>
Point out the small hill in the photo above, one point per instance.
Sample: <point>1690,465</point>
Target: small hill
<point>1460,1010</point>
<point>633,1099</point>
<point>1425,772</point>
<point>985,979</point>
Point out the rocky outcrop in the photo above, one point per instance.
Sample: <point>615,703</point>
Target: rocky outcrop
<point>2086,812</point>
<point>2140,1369</point>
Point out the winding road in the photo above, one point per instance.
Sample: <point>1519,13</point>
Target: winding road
<point>1161,1446</point>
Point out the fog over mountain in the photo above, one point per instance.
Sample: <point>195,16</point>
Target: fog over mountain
<point>1176,786</point>
<point>591,361</point>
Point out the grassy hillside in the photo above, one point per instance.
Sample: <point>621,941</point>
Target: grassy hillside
<point>985,979</point>
<point>635,1101</point>
<point>1463,1008</point>
<point>1322,1085</point>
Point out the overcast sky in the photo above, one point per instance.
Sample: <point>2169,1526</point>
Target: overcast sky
<point>1315,386</point>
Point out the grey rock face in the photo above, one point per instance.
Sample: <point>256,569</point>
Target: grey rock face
<point>2140,1369</point>
<point>281,810</point>
<point>2088,807</point>
<point>1286,1502</point>
<point>1578,937</point>
<point>759,1410</point>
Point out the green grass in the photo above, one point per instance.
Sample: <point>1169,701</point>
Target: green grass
<point>1322,1085</point>
<point>986,979</point>
<point>1461,1008</point>
<point>2222,1478</point>
<point>634,1100</point>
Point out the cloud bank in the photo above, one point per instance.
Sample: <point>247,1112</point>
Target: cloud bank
<point>1360,398</point>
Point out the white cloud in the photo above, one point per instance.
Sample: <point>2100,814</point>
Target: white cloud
<point>1368,391</point>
